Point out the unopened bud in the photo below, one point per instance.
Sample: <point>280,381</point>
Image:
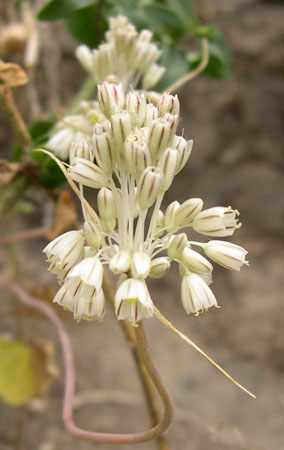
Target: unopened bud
<point>195,262</point>
<point>184,148</point>
<point>226,254</point>
<point>159,136</point>
<point>121,125</point>
<point>137,156</point>
<point>167,163</point>
<point>160,223</point>
<point>106,205</point>
<point>120,262</point>
<point>169,219</point>
<point>87,173</point>
<point>104,59</point>
<point>152,76</point>
<point>108,225</point>
<point>196,296</point>
<point>111,98</point>
<point>85,57</point>
<point>144,54</point>
<point>93,234</point>
<point>151,114</point>
<point>149,186</point>
<point>145,36</point>
<point>187,211</point>
<point>159,267</point>
<point>140,265</point>
<point>177,245</point>
<point>103,148</point>
<point>81,148</point>
<point>136,106</point>
<point>169,104</point>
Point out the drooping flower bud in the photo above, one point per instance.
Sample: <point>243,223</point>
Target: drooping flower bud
<point>104,148</point>
<point>152,76</point>
<point>196,296</point>
<point>187,211</point>
<point>60,143</point>
<point>87,173</point>
<point>86,277</point>
<point>195,262</point>
<point>168,104</point>
<point>149,186</point>
<point>93,234</point>
<point>217,221</point>
<point>120,262</point>
<point>136,106</point>
<point>177,245</point>
<point>169,219</point>
<point>65,251</point>
<point>64,299</point>
<point>140,265</point>
<point>226,254</point>
<point>167,162</point>
<point>137,156</point>
<point>121,126</point>
<point>132,301</point>
<point>159,267</point>
<point>184,148</point>
<point>106,204</point>
<point>85,57</point>
<point>111,98</point>
<point>81,148</point>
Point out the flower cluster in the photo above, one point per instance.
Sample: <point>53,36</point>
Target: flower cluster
<point>131,157</point>
<point>127,57</point>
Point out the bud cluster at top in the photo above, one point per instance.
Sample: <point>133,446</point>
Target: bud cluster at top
<point>128,149</point>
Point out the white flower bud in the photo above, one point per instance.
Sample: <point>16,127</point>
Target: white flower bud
<point>60,143</point>
<point>121,125</point>
<point>167,162</point>
<point>91,309</point>
<point>125,39</point>
<point>173,121</point>
<point>184,148</point>
<point>85,57</point>
<point>159,267</point>
<point>143,55</point>
<point>217,221</point>
<point>195,262</point>
<point>149,186</point>
<point>106,204</point>
<point>111,98</point>
<point>92,233</point>
<point>169,219</point>
<point>152,76</point>
<point>120,262</point>
<point>104,59</point>
<point>145,36</point>
<point>81,148</point>
<point>132,301</point>
<point>137,156</point>
<point>177,245</point>
<point>108,225</point>
<point>168,104</point>
<point>196,296</point>
<point>65,251</point>
<point>160,224</point>
<point>226,254</point>
<point>87,173</point>
<point>187,211</point>
<point>104,148</point>
<point>159,136</point>
<point>136,106</point>
<point>151,114</point>
<point>140,265</point>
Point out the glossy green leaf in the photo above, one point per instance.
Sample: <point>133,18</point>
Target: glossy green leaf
<point>87,26</point>
<point>185,12</point>
<point>176,66</point>
<point>59,9</point>
<point>51,175</point>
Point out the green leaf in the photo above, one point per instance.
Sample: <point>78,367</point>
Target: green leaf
<point>185,12</point>
<point>51,176</point>
<point>87,26</point>
<point>176,66</point>
<point>18,380</point>
<point>59,9</point>
<point>163,21</point>
<point>39,130</point>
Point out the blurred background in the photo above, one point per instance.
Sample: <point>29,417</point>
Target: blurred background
<point>236,124</point>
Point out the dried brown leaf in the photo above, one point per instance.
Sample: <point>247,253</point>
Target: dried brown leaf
<point>42,352</point>
<point>65,217</point>
<point>12,75</point>
<point>7,171</point>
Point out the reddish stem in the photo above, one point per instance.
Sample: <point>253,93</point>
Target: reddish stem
<point>114,438</point>
<point>26,234</point>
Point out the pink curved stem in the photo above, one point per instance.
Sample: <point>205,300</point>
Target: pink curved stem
<point>114,438</point>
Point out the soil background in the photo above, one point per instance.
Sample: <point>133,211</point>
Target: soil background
<point>237,159</point>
